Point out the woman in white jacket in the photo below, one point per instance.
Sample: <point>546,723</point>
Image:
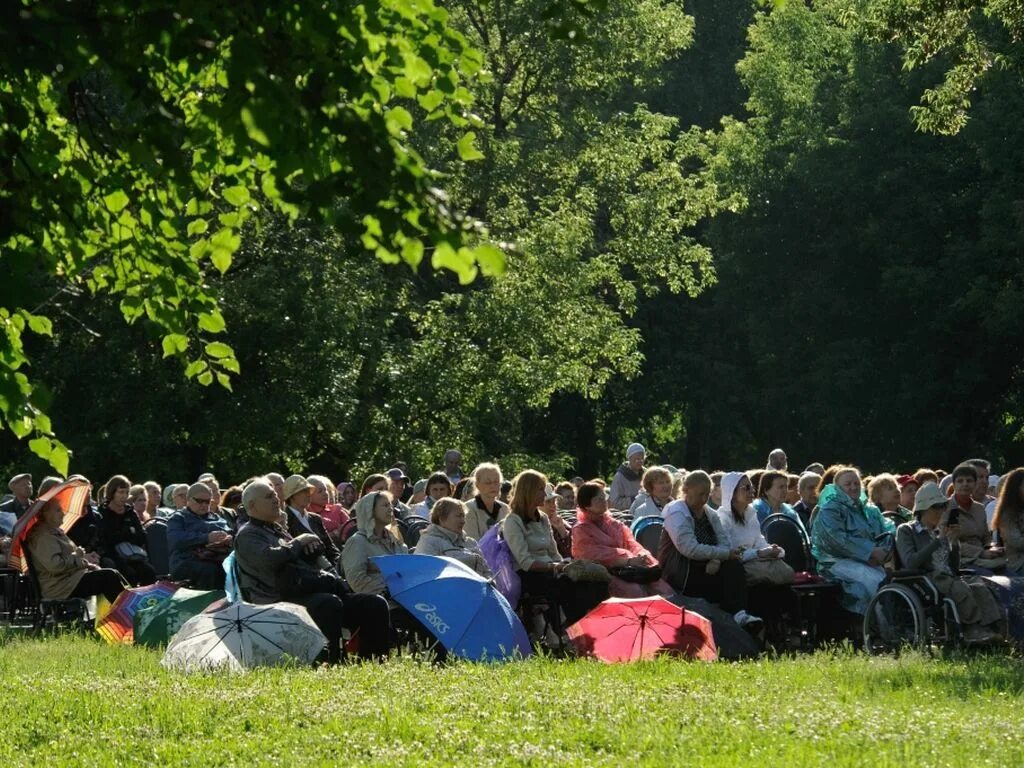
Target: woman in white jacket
<point>762,561</point>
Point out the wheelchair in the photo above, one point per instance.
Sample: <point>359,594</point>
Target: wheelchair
<point>908,611</point>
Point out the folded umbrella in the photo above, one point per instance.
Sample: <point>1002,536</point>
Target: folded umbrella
<point>156,625</point>
<point>458,606</point>
<point>118,625</point>
<point>631,629</point>
<point>242,636</point>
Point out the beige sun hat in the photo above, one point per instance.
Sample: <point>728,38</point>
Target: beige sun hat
<point>294,484</point>
<point>928,496</point>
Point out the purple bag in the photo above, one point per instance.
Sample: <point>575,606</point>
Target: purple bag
<point>499,558</point>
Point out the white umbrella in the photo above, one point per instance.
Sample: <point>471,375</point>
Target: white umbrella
<point>245,635</point>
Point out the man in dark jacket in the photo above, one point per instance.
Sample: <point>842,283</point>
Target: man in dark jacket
<point>296,498</point>
<point>274,567</point>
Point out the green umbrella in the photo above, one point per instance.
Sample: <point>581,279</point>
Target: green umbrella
<point>157,624</point>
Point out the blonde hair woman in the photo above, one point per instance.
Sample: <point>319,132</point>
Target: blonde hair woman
<point>484,509</point>
<point>533,548</point>
<point>446,536</point>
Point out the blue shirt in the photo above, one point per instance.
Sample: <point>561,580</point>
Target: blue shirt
<point>187,530</point>
<point>763,509</point>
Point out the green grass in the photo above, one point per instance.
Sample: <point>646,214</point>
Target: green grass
<point>75,701</point>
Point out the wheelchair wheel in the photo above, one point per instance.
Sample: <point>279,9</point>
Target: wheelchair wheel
<point>895,618</point>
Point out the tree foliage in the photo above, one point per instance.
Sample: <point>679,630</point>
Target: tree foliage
<point>139,137</point>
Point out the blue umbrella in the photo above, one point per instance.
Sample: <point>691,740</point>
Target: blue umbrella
<point>457,605</point>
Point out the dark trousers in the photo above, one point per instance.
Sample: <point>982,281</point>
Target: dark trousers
<point>367,614</point>
<point>727,588</point>
<point>137,571</point>
<point>105,581</point>
<point>574,598</point>
<point>201,574</point>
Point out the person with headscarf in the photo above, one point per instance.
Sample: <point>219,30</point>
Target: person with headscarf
<point>374,514</point>
<point>600,537</point>
<point>851,540</point>
<point>762,561</point>
<point>626,483</point>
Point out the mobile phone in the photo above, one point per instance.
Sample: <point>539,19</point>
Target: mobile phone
<point>954,516</point>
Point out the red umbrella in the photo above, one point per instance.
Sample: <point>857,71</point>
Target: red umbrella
<point>640,628</point>
<point>72,496</point>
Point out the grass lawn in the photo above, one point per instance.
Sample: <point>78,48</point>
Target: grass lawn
<point>75,701</point>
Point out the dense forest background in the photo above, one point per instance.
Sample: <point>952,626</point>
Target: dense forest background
<point>729,235</point>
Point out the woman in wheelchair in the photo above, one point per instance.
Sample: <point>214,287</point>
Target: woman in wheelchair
<point>851,540</point>
<point>920,546</point>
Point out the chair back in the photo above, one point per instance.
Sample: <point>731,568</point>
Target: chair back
<point>649,534</point>
<point>159,550</point>
<point>785,531</point>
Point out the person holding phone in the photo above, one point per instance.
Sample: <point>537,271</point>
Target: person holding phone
<point>922,546</point>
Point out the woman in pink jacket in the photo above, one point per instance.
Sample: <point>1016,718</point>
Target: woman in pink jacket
<point>601,538</point>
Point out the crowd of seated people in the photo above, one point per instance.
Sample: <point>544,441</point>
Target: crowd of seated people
<point>287,535</point>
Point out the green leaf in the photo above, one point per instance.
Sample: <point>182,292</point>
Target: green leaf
<point>195,368</point>
<point>41,447</point>
<point>490,258</point>
<point>221,258</point>
<point>431,100</point>
<point>39,324</point>
<point>467,149</point>
<point>457,261</point>
<point>206,379</point>
<point>198,226</point>
<point>398,119</point>
<point>230,364</point>
<point>254,131</point>
<point>60,457</point>
<point>219,349</point>
<point>116,201</point>
<point>225,381</point>
<point>236,196</point>
<point>212,322</point>
<point>173,343</point>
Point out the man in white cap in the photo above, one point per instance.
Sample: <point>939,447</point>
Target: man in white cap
<point>12,509</point>
<point>626,483</point>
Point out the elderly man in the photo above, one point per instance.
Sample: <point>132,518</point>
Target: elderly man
<point>300,520</point>
<point>277,481</point>
<point>199,541</point>
<point>452,465</point>
<point>626,483</point>
<point>12,509</point>
<point>273,567</point>
<point>778,460</point>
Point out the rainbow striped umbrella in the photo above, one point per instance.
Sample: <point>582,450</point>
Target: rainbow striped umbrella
<point>117,626</point>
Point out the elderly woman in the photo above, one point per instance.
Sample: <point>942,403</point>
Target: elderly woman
<point>446,536</point>
<point>695,554</point>
<point>123,539</point>
<point>374,514</point>
<point>484,510</point>
<point>601,538</point>
<point>536,555</point>
<point>922,547</point>
<point>332,514</point>
<point>199,540</point>
<point>655,493</point>
<point>64,569</point>
<point>851,540</point>
<point>1008,519</point>
<point>138,499</point>
<point>884,493</point>
<point>762,562</point>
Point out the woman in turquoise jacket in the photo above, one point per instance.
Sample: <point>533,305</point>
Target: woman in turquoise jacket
<point>851,540</point>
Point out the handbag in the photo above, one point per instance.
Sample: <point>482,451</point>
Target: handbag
<point>637,574</point>
<point>128,551</point>
<point>587,570</point>
<point>776,572</point>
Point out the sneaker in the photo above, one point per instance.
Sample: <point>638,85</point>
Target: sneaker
<point>748,622</point>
